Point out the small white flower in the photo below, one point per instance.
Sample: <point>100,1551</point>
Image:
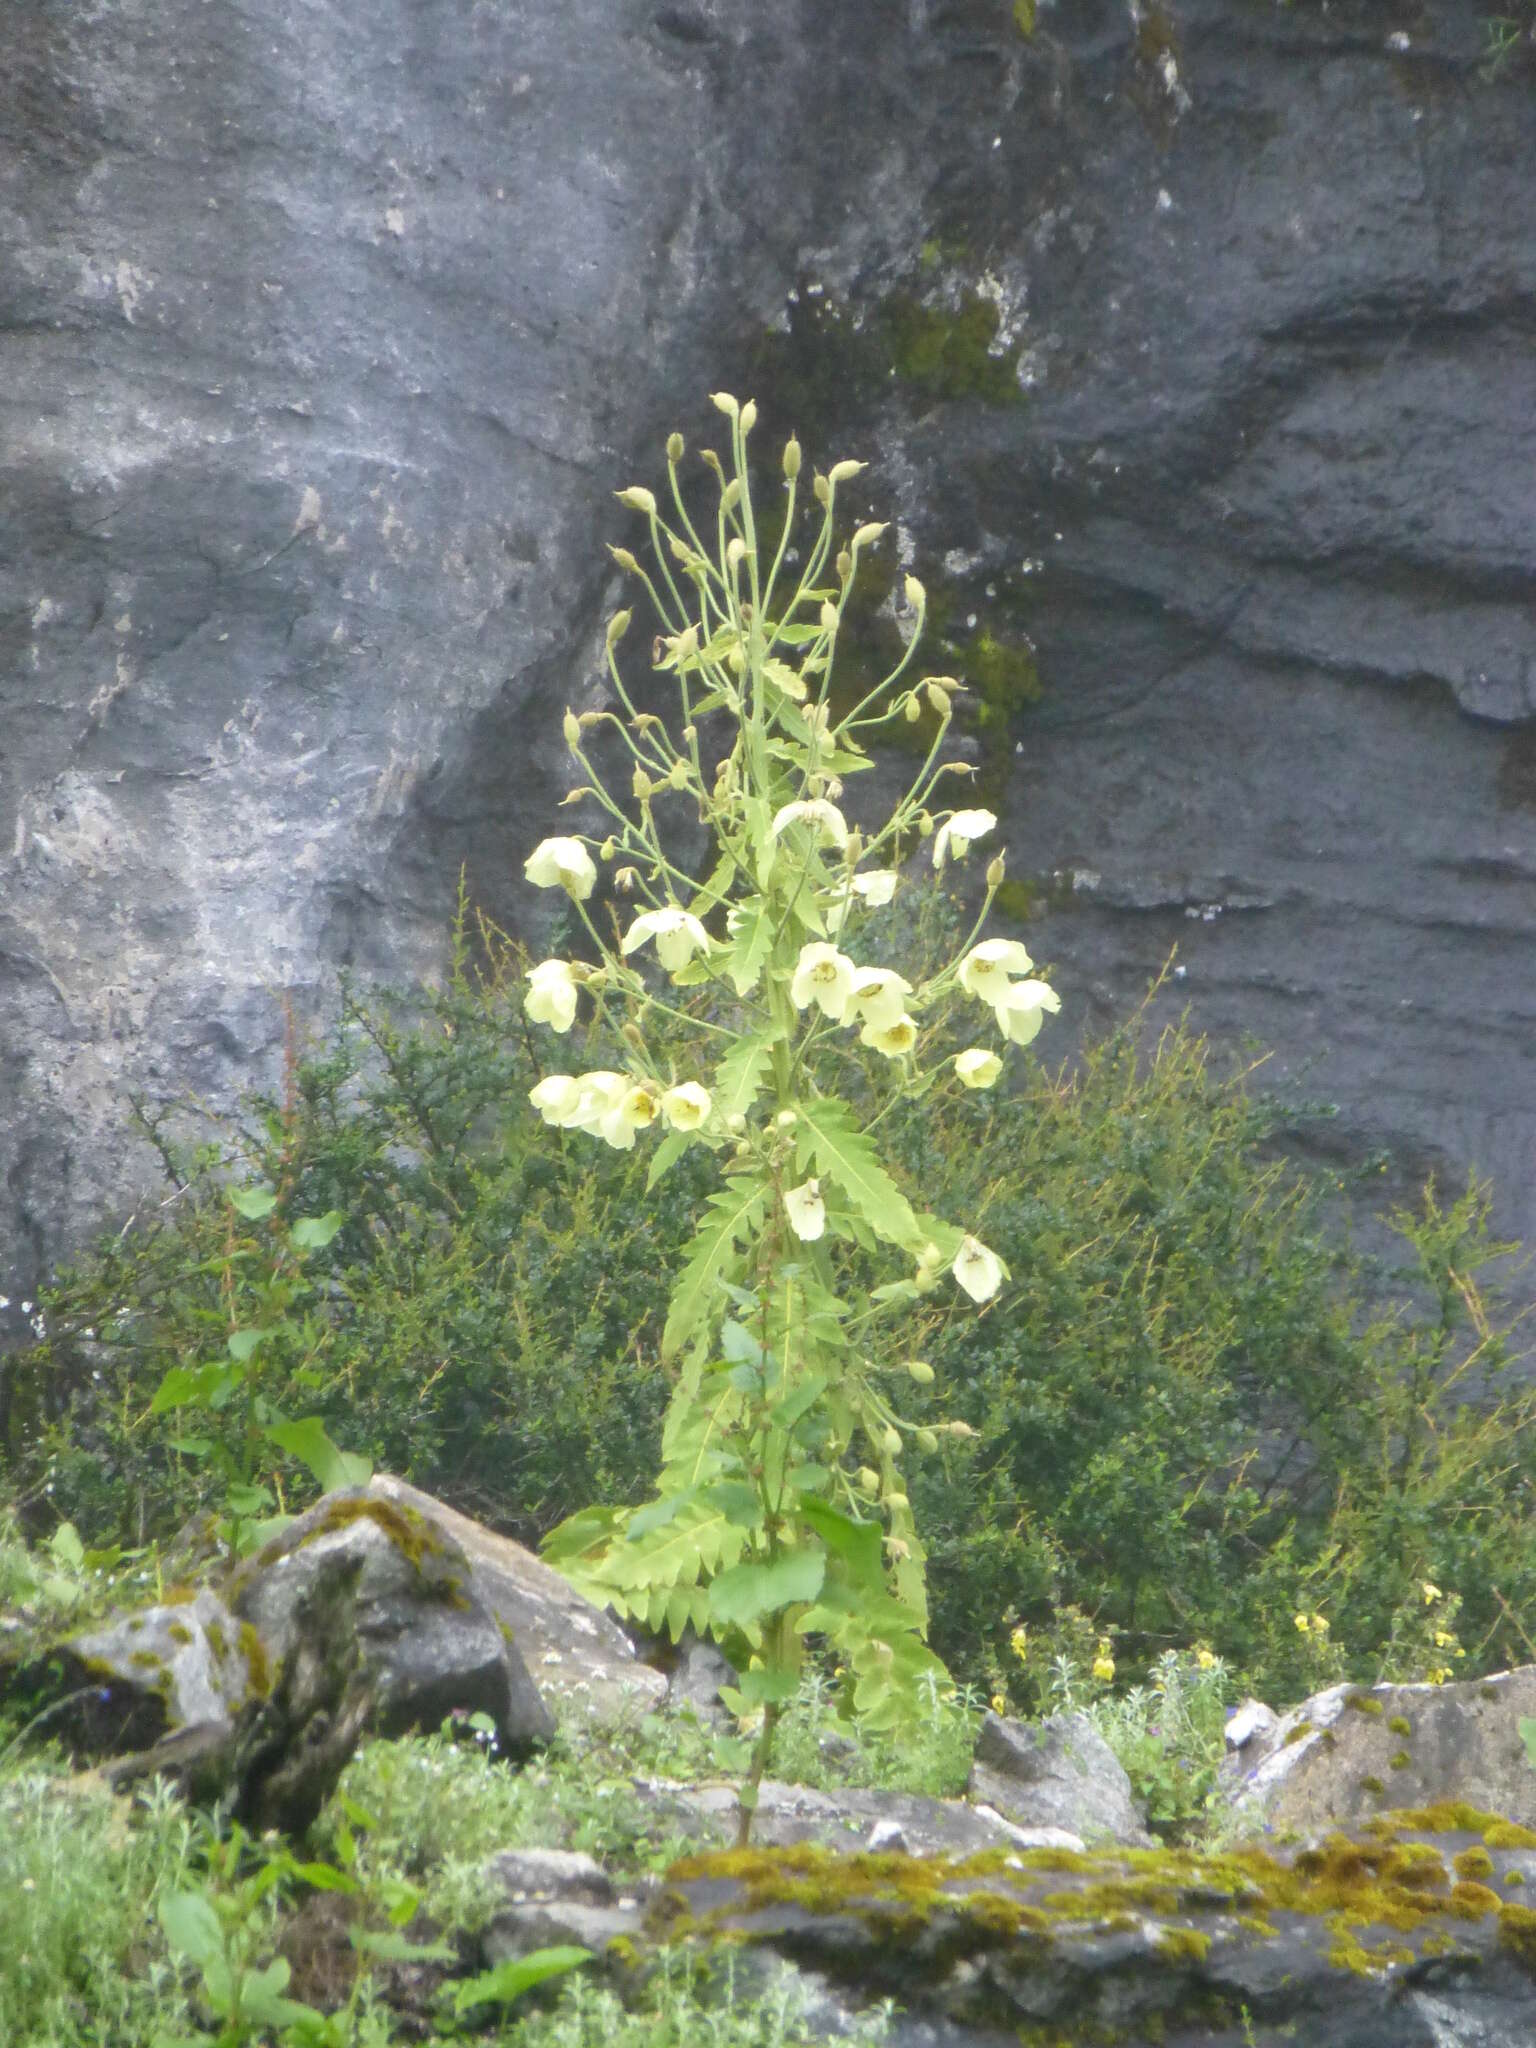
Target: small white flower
<point>893,1039</point>
<point>879,995</point>
<point>831,826</point>
<point>979,1271</point>
<point>558,1099</point>
<point>976,1068</point>
<point>678,935</point>
<point>633,1111</point>
<point>987,970</point>
<point>823,976</point>
<point>685,1106</point>
<point>1021,1012</point>
<point>958,830</point>
<point>806,1211</point>
<point>562,864</point>
<point>551,997</point>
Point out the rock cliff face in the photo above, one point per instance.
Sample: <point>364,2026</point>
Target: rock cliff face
<point>1192,350</point>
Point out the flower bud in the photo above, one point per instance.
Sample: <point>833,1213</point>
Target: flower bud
<point>828,616</point>
<point>841,471</point>
<point>571,730</point>
<point>690,735</point>
<point>920,1370</point>
<point>791,458</point>
<point>731,495</point>
<point>748,416</point>
<point>926,1440</point>
<point>638,499</point>
<point>573,796</point>
<point>786,1119</point>
<point>641,785</point>
<point>635,1036</point>
<point>625,560</point>
<point>725,403</point>
<point>912,710</point>
<point>674,447</point>
<point>735,1122</point>
<point>962,1429</point>
<point>822,489</point>
<point>618,626</point>
<point>897,1503</point>
<point>589,718</point>
<point>677,774</point>
<point>916,595</point>
<point>711,460</point>
<point>625,879</point>
<point>995,872</point>
<point>843,565</point>
<point>853,852</point>
<point>736,552</point>
<point>865,536</point>
<point>868,1481</point>
<point>608,849</point>
<point>924,825</point>
<point>936,699</point>
<point>891,1439</point>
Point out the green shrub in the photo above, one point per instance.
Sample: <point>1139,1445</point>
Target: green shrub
<point>1188,1426</point>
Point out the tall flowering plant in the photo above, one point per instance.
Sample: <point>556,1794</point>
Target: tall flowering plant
<point>780,1510</point>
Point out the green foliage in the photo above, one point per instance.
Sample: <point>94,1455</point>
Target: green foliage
<point>691,2002</point>
<point>1168,1735</point>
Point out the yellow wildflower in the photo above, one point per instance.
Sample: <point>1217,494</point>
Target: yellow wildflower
<point>1205,1659</point>
<point>1430,1591</point>
<point>1018,1642</point>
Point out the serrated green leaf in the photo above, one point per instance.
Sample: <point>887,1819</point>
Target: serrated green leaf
<point>749,1591</point>
<point>738,1502</point>
<point>655,1515</point>
<point>734,1213</point>
<point>855,1543</point>
<point>795,1403</point>
<point>751,929</point>
<point>828,1134</point>
<point>739,1077</point>
<point>581,1534</point>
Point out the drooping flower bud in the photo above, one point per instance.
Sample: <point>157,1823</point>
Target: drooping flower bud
<point>735,552</point>
<point>936,699</point>
<point>828,616</point>
<point>920,1370</point>
<point>638,499</point>
<point>748,416</point>
<point>625,560</point>
<point>926,1440</point>
<point>891,1440</point>
<point>912,710</point>
<point>915,593</point>
<point>868,1481</point>
<point>618,626</point>
<point>725,403</point>
<point>731,495</point>
<point>841,471</point>
<point>865,536</point>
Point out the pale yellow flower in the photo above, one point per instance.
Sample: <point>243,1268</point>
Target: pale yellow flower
<point>1021,1012</point>
<point>823,976</point>
<point>892,1039</point>
<point>876,888</point>
<point>634,1110</point>
<point>1430,1591</point>
<point>558,1099</point>
<point>677,933</point>
<point>878,995</point>
<point>806,1211</point>
<point>1205,1660</point>
<point>831,826</point>
<point>978,1270</point>
<point>988,970</point>
<point>999,1703</point>
<point>686,1106</point>
<point>977,1068</point>
<point>562,864</point>
<point>551,997</point>
<point>1104,1663</point>
<point>1018,1642</point>
<point>955,835</point>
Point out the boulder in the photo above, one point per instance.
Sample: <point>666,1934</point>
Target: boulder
<point>430,1645</point>
<point>582,1660</point>
<point>138,1676</point>
<point>845,1819</point>
<point>1387,1941</point>
<point>1059,1773</point>
<point>1345,1755</point>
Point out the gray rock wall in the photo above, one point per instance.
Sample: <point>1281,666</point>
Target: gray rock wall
<point>326,331</point>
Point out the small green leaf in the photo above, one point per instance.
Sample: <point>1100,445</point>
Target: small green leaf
<point>798,1401</point>
<point>191,1926</point>
<point>509,1980</point>
<point>66,1545</point>
<point>656,1514</point>
<point>253,1203</point>
<point>203,1384</point>
<point>747,1592</point>
<point>314,1233</point>
<point>389,1945</point>
<point>242,1343</point>
<point>665,1157</point>
<point>307,1441</point>
<point>757,1688</point>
